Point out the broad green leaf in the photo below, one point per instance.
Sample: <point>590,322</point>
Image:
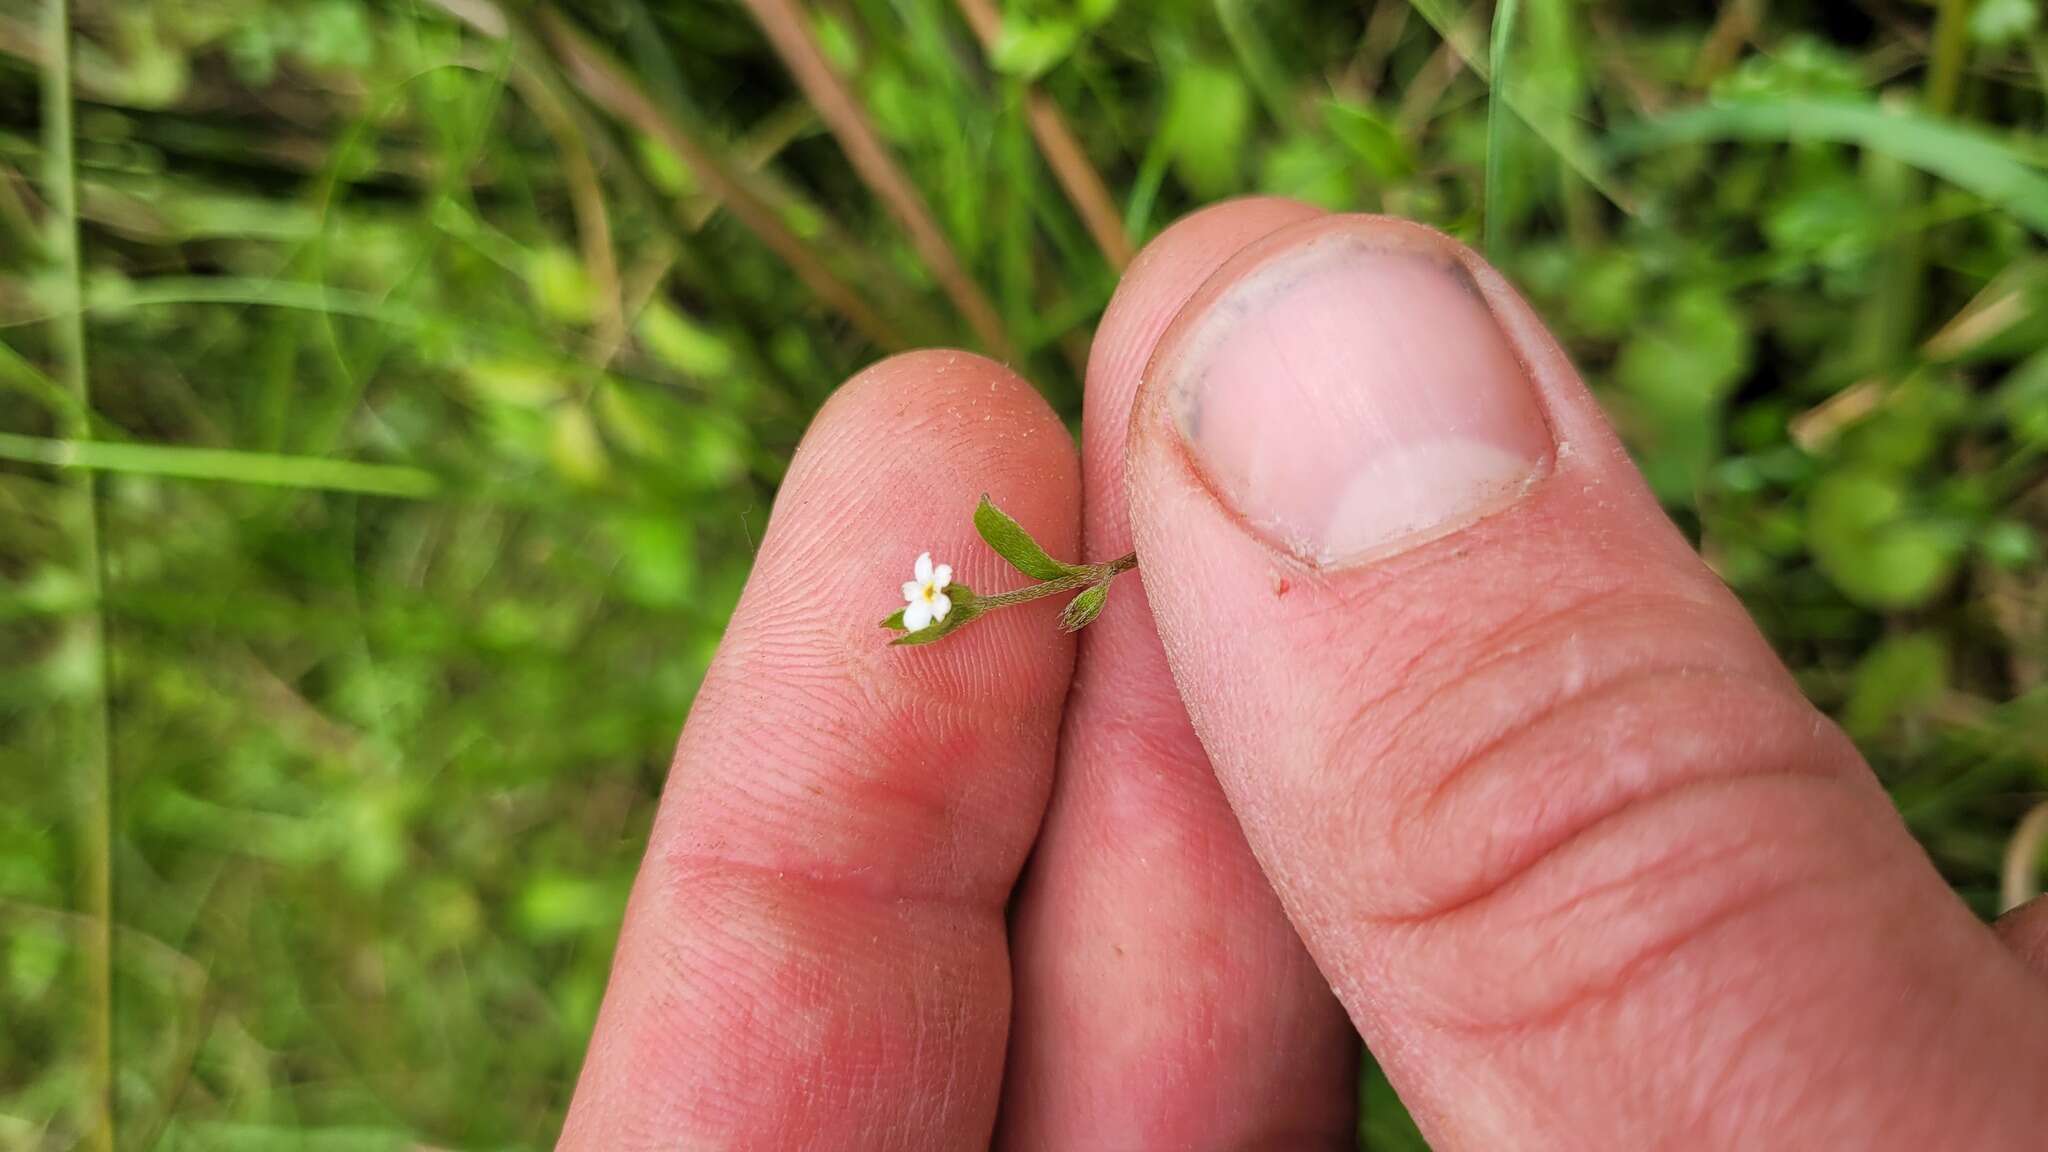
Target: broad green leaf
<point>561,286</point>
<point>2022,400</point>
<point>1208,114</point>
<point>1999,22</point>
<point>682,343</point>
<point>1864,536</point>
<point>1082,610</point>
<point>1029,49</point>
<point>1901,675</point>
<point>1677,372</point>
<point>1014,544</point>
<point>1368,136</point>
<point>575,447</point>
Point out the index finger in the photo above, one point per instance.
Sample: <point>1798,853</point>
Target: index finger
<point>814,954</point>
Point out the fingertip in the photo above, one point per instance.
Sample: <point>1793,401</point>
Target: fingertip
<point>957,413</point>
<point>892,467</point>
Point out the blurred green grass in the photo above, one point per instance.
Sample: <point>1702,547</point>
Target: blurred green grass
<point>443,361</point>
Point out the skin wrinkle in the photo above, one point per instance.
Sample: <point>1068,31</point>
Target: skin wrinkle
<point>1429,674</point>
<point>1727,894</point>
<point>877,803</point>
<point>1765,1091</point>
<point>746,970</point>
<point>1586,802</point>
<point>1878,939</point>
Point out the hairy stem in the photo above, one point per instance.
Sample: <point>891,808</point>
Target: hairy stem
<point>1092,574</point>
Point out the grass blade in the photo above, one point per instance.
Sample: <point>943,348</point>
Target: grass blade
<point>1588,164</point>
<point>221,464</point>
<point>1497,113</point>
<point>1969,159</point>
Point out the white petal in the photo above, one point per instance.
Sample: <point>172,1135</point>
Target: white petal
<point>924,567</point>
<point>941,604</point>
<point>942,576</point>
<point>913,591</point>
<point>917,615</point>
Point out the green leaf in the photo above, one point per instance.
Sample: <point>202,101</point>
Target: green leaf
<point>895,621</point>
<point>1676,372</point>
<point>561,286</point>
<point>682,343</point>
<point>1865,537</point>
<point>1029,49</point>
<point>1082,610</point>
<point>2000,22</point>
<point>2021,401</point>
<point>1370,137</point>
<point>1014,544</point>
<point>1966,157</point>
<point>1901,676</point>
<point>1208,116</point>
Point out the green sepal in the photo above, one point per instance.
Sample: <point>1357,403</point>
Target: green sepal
<point>965,608</point>
<point>1082,610</point>
<point>1013,543</point>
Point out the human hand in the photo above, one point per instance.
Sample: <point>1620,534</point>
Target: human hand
<point>1475,726</point>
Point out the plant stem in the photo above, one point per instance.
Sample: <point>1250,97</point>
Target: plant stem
<point>87,630</point>
<point>1092,574</point>
<point>1951,53</point>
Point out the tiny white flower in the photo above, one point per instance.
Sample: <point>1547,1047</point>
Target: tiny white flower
<point>926,602</point>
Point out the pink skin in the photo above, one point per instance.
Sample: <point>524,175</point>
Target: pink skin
<point>1152,955</point>
<point>1550,817</point>
<point>1577,857</point>
<point>814,954</point>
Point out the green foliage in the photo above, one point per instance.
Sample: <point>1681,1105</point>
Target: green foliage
<point>1869,540</point>
<point>1013,543</point>
<point>419,525</point>
<point>1208,112</point>
<point>1902,675</point>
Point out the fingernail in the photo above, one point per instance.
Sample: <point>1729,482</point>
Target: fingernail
<point>1352,397</point>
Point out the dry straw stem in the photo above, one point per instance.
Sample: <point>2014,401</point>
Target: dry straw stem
<point>1063,153</point>
<point>791,37</point>
<point>609,86</point>
<point>1737,22</point>
<point>2022,878</point>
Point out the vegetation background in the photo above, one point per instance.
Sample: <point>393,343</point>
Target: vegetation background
<point>392,393</point>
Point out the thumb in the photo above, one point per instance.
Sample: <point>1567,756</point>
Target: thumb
<point>1580,861</point>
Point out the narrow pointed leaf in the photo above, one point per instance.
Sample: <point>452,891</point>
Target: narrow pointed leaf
<point>1014,544</point>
